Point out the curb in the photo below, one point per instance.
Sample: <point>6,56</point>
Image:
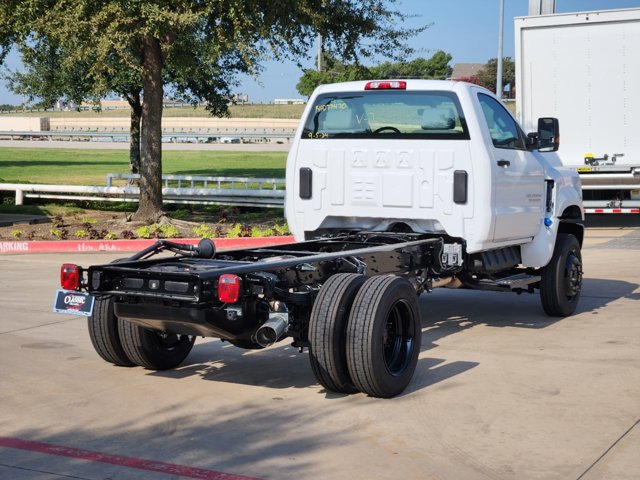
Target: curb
<point>88,246</point>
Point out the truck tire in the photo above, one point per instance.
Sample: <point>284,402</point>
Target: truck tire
<point>327,331</point>
<point>151,349</point>
<point>103,331</point>
<point>562,277</point>
<point>384,336</point>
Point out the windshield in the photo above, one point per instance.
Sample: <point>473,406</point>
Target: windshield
<point>386,114</point>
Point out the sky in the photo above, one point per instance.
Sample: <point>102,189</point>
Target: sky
<point>467,29</point>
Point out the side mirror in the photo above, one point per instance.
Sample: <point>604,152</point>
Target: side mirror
<point>548,134</point>
<point>532,141</point>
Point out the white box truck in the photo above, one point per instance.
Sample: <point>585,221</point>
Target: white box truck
<point>583,68</point>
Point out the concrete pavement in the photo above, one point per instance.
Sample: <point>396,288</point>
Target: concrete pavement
<point>501,392</point>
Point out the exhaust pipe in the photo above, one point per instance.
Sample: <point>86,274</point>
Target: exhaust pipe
<point>271,330</point>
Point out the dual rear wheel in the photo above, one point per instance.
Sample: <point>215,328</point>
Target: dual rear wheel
<point>365,334</point>
<point>126,344</point>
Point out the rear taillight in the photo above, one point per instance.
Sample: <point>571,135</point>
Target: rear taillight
<point>228,288</point>
<point>70,276</point>
<point>386,85</point>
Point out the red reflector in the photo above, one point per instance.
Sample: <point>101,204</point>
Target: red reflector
<point>69,276</point>
<point>229,288</point>
<point>386,85</point>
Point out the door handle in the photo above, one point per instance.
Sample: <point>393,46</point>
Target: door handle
<point>504,163</point>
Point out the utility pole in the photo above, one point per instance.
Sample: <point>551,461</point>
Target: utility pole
<point>500,34</point>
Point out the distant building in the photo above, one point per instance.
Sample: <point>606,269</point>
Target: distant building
<point>289,101</point>
<point>465,70</point>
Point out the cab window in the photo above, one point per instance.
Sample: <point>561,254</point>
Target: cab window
<point>388,115</point>
<point>503,129</point>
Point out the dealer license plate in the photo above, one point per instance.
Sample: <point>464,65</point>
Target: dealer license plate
<point>73,303</point>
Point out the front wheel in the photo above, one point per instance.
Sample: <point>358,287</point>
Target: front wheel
<point>561,281</point>
<point>152,349</point>
<point>384,336</point>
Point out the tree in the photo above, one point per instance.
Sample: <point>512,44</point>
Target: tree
<point>334,71</point>
<point>195,48</point>
<point>435,67</point>
<point>487,75</point>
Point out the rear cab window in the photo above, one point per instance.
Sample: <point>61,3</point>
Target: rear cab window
<point>386,114</point>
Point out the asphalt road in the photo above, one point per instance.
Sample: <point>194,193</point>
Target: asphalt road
<point>501,392</point>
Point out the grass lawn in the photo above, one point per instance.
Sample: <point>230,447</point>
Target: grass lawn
<point>90,167</point>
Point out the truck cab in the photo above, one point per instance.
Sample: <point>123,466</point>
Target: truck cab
<point>427,156</point>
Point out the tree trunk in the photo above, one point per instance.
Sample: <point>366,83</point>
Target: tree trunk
<point>134,132</point>
<point>150,206</point>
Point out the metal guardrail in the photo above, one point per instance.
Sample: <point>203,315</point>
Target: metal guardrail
<point>211,136</point>
<point>253,192</point>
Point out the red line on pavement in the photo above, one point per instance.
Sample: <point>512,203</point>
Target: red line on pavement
<point>119,460</point>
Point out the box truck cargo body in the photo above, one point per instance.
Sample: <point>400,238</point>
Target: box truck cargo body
<point>584,69</point>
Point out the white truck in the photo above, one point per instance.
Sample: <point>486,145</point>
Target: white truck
<point>583,68</point>
<point>394,188</point>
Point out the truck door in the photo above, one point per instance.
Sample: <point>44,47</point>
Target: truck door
<point>518,178</point>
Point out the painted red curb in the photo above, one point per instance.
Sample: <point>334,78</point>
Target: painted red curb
<point>118,460</point>
<point>68,246</point>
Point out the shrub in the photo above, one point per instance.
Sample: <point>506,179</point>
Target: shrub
<point>60,233</point>
<point>203,231</point>
<point>147,231</point>
<point>233,231</point>
<point>81,233</point>
<point>127,234</point>
<point>16,233</point>
<point>169,231</point>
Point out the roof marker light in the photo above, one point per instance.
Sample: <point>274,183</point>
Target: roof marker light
<point>386,85</point>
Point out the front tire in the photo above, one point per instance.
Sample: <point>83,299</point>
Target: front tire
<point>561,281</point>
<point>103,331</point>
<point>327,331</point>
<point>154,350</point>
<point>384,336</point>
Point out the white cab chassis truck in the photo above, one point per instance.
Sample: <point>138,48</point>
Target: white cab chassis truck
<point>394,188</point>
<point>583,69</point>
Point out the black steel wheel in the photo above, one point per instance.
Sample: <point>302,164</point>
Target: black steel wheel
<point>327,331</point>
<point>152,349</point>
<point>562,277</point>
<point>384,336</point>
<point>103,331</point>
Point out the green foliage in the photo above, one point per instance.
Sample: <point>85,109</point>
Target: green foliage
<point>203,231</point>
<point>110,236</point>
<point>147,231</point>
<point>487,75</point>
<point>334,71</point>
<point>169,231</point>
<point>15,233</point>
<point>88,223</point>
<point>234,231</point>
<point>81,233</point>
<point>282,229</point>
<point>60,233</point>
